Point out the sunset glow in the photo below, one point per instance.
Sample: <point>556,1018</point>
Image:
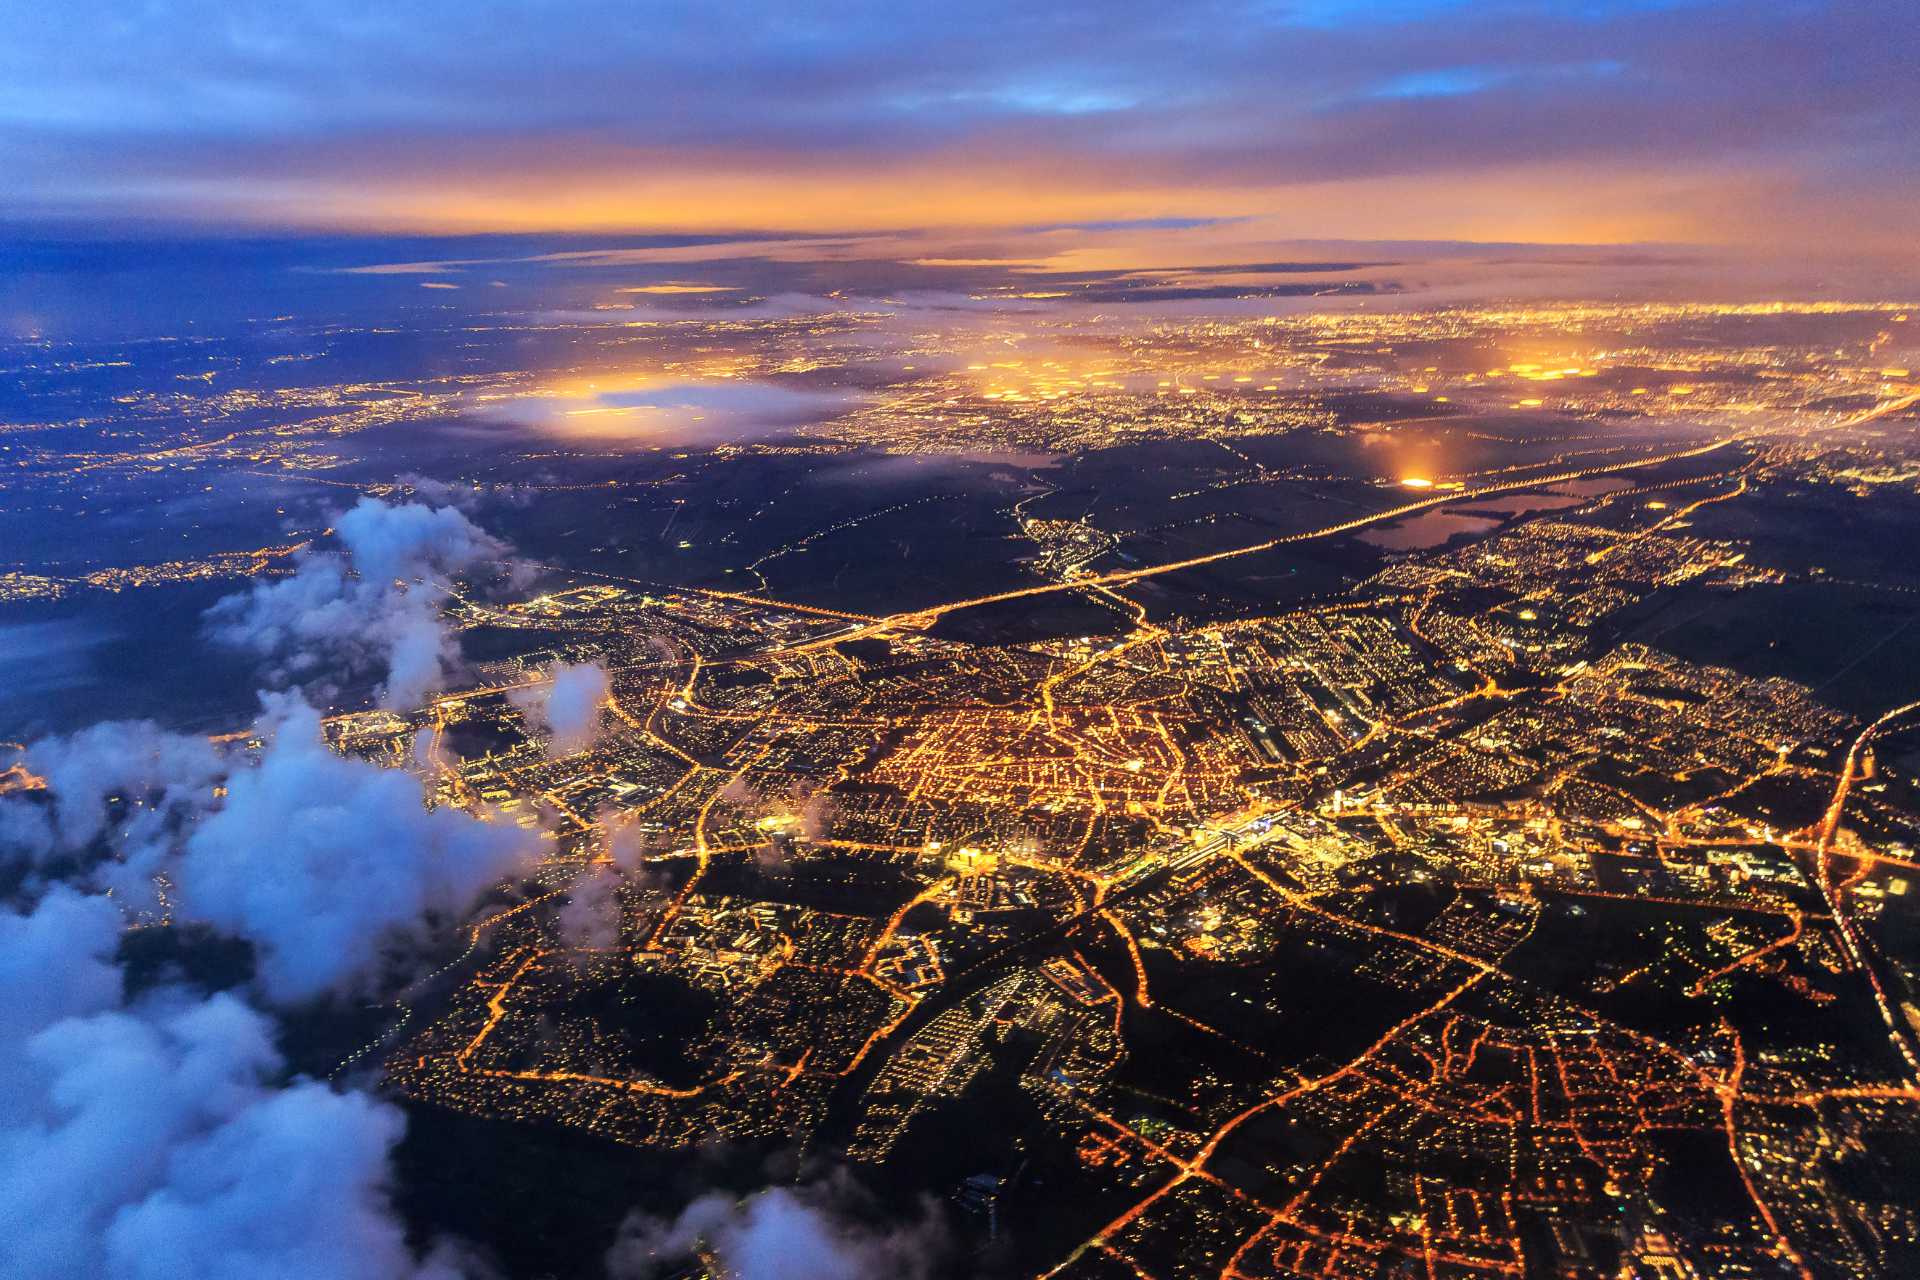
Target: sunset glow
<point>1422,119</point>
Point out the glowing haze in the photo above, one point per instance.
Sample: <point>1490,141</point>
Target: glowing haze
<point>1595,121</point>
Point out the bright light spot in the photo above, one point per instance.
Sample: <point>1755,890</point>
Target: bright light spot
<point>671,287</point>
<point>1416,482</point>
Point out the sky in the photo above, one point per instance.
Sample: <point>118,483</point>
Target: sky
<point>1749,122</point>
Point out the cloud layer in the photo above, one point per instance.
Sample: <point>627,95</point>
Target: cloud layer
<point>152,1140</point>
<point>161,1138</point>
<point>331,867</point>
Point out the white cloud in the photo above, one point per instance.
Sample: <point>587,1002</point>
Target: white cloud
<point>162,776</point>
<point>373,606</point>
<point>55,963</point>
<point>590,917</point>
<point>149,1140</point>
<point>816,1231</point>
<point>566,706</point>
<point>328,864</point>
<point>293,1185</point>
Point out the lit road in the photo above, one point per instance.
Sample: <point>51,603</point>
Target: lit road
<point>921,619</point>
<point>1835,894</point>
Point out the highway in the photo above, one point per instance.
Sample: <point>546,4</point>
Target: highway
<point>921,619</point>
<point>1829,828</point>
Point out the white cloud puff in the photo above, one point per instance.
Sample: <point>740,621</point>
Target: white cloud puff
<point>566,705</point>
<point>161,778</point>
<point>374,606</point>
<point>326,863</point>
<point>816,1231</point>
